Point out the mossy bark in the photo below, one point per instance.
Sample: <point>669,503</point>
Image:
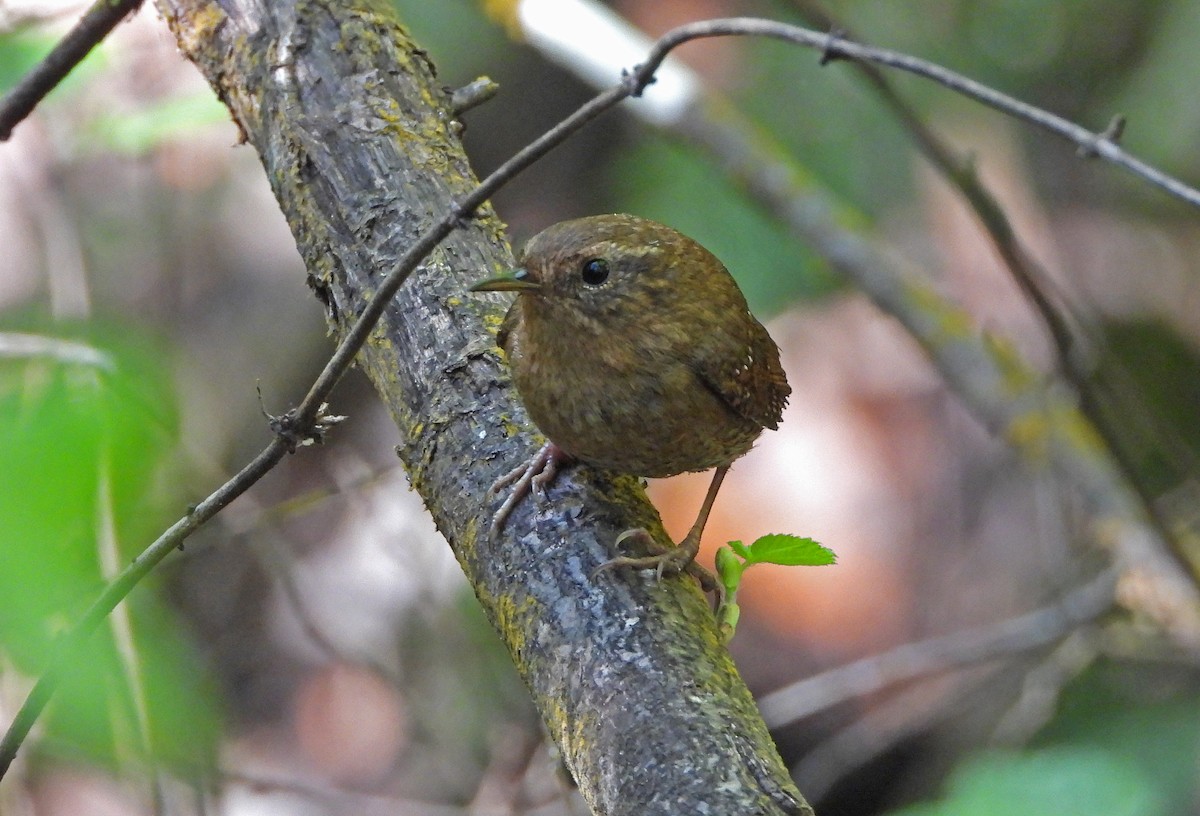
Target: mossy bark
<point>362,151</point>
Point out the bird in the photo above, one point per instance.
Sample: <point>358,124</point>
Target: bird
<point>633,350</point>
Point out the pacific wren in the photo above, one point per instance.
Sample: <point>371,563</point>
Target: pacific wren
<point>634,350</point>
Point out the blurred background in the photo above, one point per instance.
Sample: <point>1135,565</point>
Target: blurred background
<point>316,649</point>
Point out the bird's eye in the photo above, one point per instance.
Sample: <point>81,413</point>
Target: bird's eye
<point>594,271</point>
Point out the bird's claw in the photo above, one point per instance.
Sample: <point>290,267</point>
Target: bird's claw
<point>531,476</point>
<point>664,561</point>
<point>546,472</point>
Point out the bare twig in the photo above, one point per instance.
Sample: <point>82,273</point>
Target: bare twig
<point>17,344</point>
<point>473,94</point>
<point>851,748</point>
<point>832,46</point>
<point>93,27</point>
<point>1042,686</point>
<point>939,654</point>
<point>338,798</point>
<point>1029,275</point>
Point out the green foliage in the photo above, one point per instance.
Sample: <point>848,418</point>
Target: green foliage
<point>776,548</point>
<point>1147,717</point>
<point>90,429</point>
<point>784,549</point>
<point>22,49</point>
<point>1125,740</point>
<point>1063,781</point>
<point>138,132</point>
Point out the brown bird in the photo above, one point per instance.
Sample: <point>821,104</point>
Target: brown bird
<point>634,350</point>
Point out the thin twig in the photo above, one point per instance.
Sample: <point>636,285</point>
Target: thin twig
<point>351,800</point>
<point>93,27</point>
<point>20,345</point>
<point>1029,275</point>
<point>1042,687</point>
<point>833,46</point>
<point>473,94</point>
<point>910,712</point>
<point>939,654</point>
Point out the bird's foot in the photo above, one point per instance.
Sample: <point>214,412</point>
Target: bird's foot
<point>665,560</point>
<point>531,476</point>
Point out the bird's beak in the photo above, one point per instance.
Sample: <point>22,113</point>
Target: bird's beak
<point>513,281</point>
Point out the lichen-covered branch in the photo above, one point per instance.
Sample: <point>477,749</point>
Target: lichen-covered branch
<point>361,148</point>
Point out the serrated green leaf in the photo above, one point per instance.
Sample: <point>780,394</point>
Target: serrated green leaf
<point>790,551</point>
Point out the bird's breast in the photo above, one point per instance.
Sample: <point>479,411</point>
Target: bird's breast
<point>633,409</point>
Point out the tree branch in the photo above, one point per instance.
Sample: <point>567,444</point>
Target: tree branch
<point>939,654</point>
<point>1092,144</point>
<point>93,27</point>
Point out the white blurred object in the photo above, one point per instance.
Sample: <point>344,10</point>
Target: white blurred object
<point>598,45</point>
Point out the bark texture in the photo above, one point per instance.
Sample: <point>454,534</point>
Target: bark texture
<point>357,138</point>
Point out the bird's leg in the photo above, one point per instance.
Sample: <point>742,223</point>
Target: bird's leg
<point>532,475</point>
<point>680,558</point>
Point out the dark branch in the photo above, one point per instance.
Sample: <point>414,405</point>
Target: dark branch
<point>832,46</point>
<point>93,27</point>
<point>939,654</point>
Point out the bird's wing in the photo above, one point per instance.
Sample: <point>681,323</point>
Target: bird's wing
<point>751,382</point>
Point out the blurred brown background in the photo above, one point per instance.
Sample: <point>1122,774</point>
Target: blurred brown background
<point>332,645</point>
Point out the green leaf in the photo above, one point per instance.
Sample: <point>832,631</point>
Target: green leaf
<point>790,551</point>
<point>1063,781</point>
<point>88,464</point>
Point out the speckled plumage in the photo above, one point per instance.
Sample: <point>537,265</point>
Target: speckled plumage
<point>660,370</point>
<point>633,350</point>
